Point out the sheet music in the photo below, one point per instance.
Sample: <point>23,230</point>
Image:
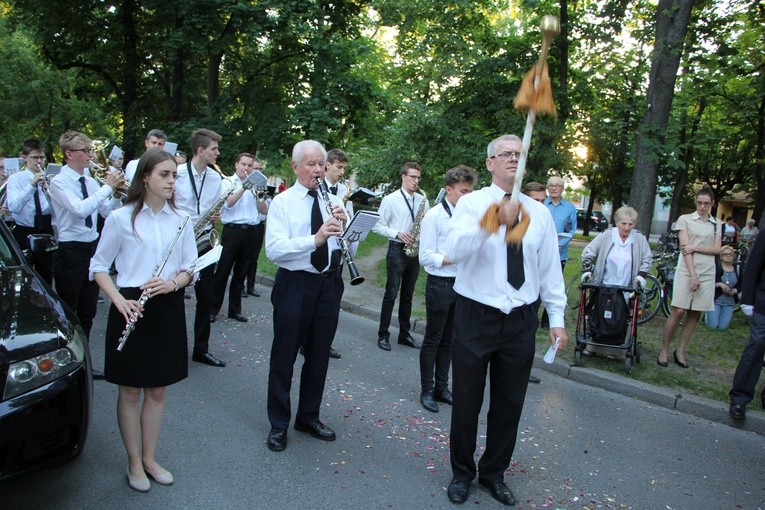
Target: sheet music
<point>360,225</point>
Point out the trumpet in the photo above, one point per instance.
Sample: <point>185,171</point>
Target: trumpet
<point>356,278</point>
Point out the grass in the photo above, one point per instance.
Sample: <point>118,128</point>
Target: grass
<point>712,355</point>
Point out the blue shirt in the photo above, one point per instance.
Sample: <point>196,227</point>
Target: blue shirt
<point>564,217</point>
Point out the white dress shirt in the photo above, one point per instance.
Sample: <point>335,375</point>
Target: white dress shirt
<point>395,215</point>
<point>71,209</point>
<point>289,242</point>
<point>208,187</point>
<point>20,198</point>
<point>137,253</point>
<point>245,210</point>
<point>433,234</point>
<point>342,191</point>
<point>482,257</point>
<point>130,169</point>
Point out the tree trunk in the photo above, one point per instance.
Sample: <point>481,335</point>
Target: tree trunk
<point>681,179</point>
<point>129,92</point>
<point>672,19</point>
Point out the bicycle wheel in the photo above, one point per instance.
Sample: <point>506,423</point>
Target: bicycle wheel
<point>666,301</point>
<point>649,301</point>
<point>572,297</point>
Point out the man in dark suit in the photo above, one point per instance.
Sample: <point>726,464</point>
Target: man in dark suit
<point>301,238</point>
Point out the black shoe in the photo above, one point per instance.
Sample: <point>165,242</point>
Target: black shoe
<point>428,402</point>
<point>317,429</point>
<point>238,317</point>
<point>458,492</point>
<point>277,440</point>
<point>737,411</point>
<point>408,341</point>
<point>443,396</point>
<point>677,361</point>
<point>499,491</point>
<point>253,292</point>
<point>208,359</point>
<point>244,294</point>
<point>383,342</point>
<point>213,317</point>
<point>534,379</point>
<point>97,375</point>
<point>333,353</point>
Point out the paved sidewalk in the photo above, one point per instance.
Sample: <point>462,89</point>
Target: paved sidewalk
<point>366,299</point>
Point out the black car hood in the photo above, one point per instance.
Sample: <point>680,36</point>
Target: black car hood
<point>32,318</point>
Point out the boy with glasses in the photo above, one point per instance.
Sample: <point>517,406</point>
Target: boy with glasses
<point>30,207</point>
<point>397,215</point>
<point>77,200</point>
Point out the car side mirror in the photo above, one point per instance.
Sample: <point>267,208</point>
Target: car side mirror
<point>42,243</point>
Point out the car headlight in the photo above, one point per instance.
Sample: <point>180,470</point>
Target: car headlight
<point>28,374</point>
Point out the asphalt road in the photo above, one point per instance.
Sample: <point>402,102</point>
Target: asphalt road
<point>579,447</point>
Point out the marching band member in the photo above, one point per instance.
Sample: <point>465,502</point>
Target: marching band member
<point>240,216</point>
<point>260,235</point>
<point>77,200</point>
<point>398,212</point>
<point>495,320</point>
<point>197,189</point>
<point>301,239</point>
<point>30,205</point>
<point>137,238</point>
<point>436,353</point>
<point>155,139</point>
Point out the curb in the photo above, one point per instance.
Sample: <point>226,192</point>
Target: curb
<point>693,405</point>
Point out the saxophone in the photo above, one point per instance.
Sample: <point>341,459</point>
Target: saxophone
<point>413,250</point>
<point>207,240</point>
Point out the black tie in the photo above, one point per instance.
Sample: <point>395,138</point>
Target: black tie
<point>89,219</point>
<point>333,190</point>
<point>319,258</point>
<point>515,273</point>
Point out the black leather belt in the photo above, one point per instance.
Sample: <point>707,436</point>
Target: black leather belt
<point>240,226</point>
<point>326,274</point>
<point>448,279</point>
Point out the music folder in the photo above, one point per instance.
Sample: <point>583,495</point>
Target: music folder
<point>360,225</point>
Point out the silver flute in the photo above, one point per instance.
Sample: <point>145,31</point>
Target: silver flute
<point>356,278</point>
<point>130,326</point>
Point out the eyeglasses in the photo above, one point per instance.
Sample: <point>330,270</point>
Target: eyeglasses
<point>415,177</point>
<point>506,156</point>
<point>726,254</point>
<point>86,150</point>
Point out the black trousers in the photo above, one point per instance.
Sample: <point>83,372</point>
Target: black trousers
<point>502,345</point>
<point>436,352</point>
<point>203,290</point>
<point>72,284</point>
<point>750,364</point>
<point>252,272</point>
<point>402,273</point>
<point>306,307</point>
<point>42,262</point>
<point>238,245</point>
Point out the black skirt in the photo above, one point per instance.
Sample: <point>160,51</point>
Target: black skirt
<point>156,352</point>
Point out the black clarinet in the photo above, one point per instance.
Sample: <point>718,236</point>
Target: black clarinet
<point>356,278</point>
